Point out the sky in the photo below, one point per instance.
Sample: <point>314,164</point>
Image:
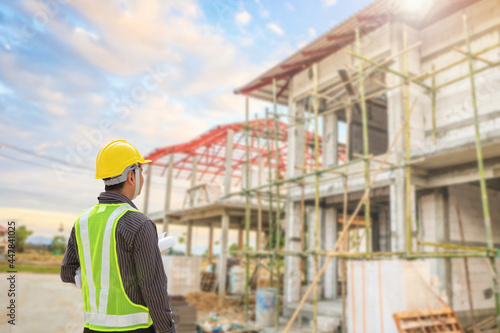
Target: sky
<point>77,74</point>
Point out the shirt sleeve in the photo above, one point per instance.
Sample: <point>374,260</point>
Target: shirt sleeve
<point>71,261</point>
<point>152,278</point>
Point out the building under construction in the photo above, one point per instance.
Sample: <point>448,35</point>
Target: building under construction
<point>409,218</point>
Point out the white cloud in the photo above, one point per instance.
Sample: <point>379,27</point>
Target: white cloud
<point>264,13</point>
<point>301,44</point>
<point>243,18</point>
<point>329,3</point>
<point>276,29</point>
<point>312,32</point>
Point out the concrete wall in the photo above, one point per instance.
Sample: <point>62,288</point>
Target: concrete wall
<point>439,223</point>
<point>468,198</point>
<point>454,103</point>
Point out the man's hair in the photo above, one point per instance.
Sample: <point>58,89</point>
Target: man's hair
<point>115,187</point>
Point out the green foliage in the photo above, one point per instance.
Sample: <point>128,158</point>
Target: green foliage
<point>233,248</point>
<point>21,234</point>
<point>58,244</point>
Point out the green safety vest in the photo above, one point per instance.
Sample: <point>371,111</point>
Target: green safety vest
<point>106,305</point>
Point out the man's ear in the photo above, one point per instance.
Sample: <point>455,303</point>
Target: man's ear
<point>131,177</point>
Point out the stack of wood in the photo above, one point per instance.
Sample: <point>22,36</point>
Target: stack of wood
<point>427,321</point>
<point>184,315</point>
<point>208,281</point>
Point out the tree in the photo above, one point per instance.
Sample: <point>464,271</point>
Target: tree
<point>58,244</point>
<point>21,234</point>
<point>233,249</point>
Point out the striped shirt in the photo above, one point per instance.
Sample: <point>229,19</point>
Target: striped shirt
<point>139,259</point>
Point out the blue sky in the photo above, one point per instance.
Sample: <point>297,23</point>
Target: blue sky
<point>77,74</point>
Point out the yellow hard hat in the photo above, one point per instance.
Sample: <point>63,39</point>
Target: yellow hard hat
<point>113,159</point>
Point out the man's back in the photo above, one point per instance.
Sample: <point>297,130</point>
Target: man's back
<point>139,261</point>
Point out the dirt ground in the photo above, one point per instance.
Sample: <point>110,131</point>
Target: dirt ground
<point>43,304</point>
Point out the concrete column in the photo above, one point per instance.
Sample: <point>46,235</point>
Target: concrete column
<point>330,140</point>
<point>443,266</point>
<point>293,218</point>
<point>292,278</point>
<point>330,237</point>
<point>147,188</point>
<point>168,192</point>
<point>222,269</point>
<point>310,243</point>
<point>210,242</point>
<point>189,241</point>
<point>229,162</point>
<point>385,230</point>
<point>397,216</point>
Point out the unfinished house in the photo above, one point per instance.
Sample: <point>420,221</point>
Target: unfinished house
<point>418,80</point>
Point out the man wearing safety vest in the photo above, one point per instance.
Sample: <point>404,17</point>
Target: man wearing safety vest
<point>115,246</point>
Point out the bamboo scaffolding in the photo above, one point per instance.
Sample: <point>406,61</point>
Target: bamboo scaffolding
<point>278,212</point>
<point>482,180</point>
<point>342,235</point>
<point>366,66</point>
<point>247,208</point>
<point>270,213</point>
<point>407,144</point>
<point>316,195</point>
<point>466,267</point>
<point>366,149</point>
<point>345,247</point>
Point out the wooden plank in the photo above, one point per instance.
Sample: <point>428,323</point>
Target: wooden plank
<point>427,320</point>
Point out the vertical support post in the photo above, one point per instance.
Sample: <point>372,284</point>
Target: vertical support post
<point>366,149</point>
<point>241,231</point>
<point>345,245</point>
<point>330,222</point>
<point>482,180</point>
<point>278,203</point>
<point>258,240</point>
<point>270,175</point>
<point>316,195</point>
<point>223,254</point>
<point>189,242</point>
<point>168,193</point>
<point>434,92</point>
<point>147,188</point>
<point>229,162</point>
<point>194,172</point>
<point>408,147</point>
<point>466,266</point>
<point>247,205</point>
<point>210,242</point>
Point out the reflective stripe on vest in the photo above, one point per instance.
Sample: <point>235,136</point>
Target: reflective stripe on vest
<point>98,316</point>
<point>116,321</point>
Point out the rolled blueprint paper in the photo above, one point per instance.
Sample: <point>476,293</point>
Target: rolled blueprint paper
<point>78,278</point>
<point>166,243</point>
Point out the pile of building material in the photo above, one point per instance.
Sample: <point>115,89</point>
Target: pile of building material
<point>184,315</point>
<point>431,320</point>
<point>215,314</point>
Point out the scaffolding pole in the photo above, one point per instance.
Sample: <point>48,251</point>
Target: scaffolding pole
<point>247,206</point>
<point>482,180</point>
<point>278,204</point>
